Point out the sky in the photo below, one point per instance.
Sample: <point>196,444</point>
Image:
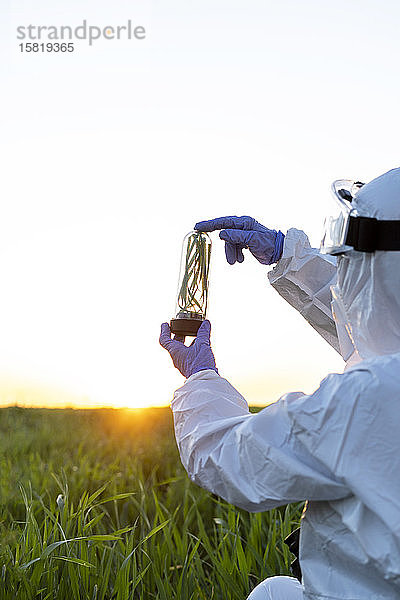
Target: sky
<point>110,154</point>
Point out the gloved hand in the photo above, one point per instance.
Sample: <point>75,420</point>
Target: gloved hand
<point>245,232</point>
<point>190,359</point>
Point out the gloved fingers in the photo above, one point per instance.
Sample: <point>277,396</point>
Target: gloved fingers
<point>179,338</point>
<point>239,253</point>
<point>214,224</point>
<point>230,253</point>
<point>204,332</point>
<point>235,241</point>
<point>165,336</point>
<point>234,253</point>
<point>166,341</point>
<point>236,236</point>
<point>244,223</point>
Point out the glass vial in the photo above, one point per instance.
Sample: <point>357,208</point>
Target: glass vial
<point>192,296</point>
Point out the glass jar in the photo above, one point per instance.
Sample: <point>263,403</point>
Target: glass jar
<point>192,296</point>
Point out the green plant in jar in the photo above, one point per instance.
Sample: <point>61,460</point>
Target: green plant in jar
<point>192,297</point>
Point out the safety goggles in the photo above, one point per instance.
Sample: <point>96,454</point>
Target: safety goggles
<point>336,226</point>
<point>345,230</point>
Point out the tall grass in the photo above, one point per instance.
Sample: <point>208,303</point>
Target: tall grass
<point>95,505</point>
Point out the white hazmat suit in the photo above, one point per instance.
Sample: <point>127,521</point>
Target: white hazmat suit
<point>338,448</point>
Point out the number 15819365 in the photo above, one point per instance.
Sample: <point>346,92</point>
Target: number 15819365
<point>46,47</point>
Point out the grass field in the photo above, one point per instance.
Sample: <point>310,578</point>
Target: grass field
<point>94,504</point>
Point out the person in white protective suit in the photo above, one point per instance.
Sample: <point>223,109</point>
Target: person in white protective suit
<point>338,448</point>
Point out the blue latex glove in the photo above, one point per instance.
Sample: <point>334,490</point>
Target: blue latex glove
<point>190,359</point>
<point>245,232</point>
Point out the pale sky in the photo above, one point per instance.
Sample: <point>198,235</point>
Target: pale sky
<point>110,154</point>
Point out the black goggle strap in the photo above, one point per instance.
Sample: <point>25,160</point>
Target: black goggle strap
<point>367,234</point>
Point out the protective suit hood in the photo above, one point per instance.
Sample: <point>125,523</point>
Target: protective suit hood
<point>368,283</point>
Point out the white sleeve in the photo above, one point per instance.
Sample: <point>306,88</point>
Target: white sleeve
<point>303,277</point>
<point>251,460</point>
